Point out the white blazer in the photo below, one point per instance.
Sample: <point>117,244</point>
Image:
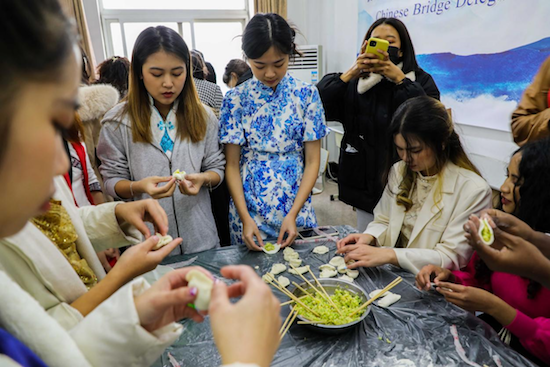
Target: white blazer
<point>437,237</point>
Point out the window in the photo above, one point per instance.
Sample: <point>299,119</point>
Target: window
<point>210,26</point>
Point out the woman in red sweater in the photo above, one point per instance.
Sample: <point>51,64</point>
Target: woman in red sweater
<point>516,307</point>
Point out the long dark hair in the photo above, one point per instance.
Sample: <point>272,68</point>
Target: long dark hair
<point>532,207</point>
<point>37,39</point>
<point>199,67</point>
<point>114,71</point>
<point>190,115</point>
<point>409,56</point>
<point>426,119</point>
<point>266,30</point>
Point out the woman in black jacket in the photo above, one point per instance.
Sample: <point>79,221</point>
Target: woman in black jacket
<point>364,99</point>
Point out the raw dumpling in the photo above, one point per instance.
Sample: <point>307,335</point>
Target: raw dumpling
<point>271,248</point>
<point>327,267</point>
<point>295,262</point>
<point>163,241</point>
<point>288,250</point>
<point>375,292</point>
<point>320,250</point>
<point>342,269</point>
<point>277,269</point>
<point>389,299</point>
<point>204,285</point>
<point>352,273</point>
<point>291,255</point>
<point>346,278</point>
<point>179,175</point>
<point>486,232</point>
<point>267,277</point>
<point>283,281</point>
<point>328,273</point>
<point>300,270</point>
<point>337,261</point>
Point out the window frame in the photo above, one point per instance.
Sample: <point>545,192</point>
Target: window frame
<point>178,16</point>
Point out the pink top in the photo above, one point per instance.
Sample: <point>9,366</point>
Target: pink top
<point>532,322</point>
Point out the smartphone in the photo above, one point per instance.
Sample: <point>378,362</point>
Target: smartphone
<point>308,233</point>
<point>375,44</point>
<point>328,230</point>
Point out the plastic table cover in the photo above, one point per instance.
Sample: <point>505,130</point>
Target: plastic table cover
<point>416,331</point>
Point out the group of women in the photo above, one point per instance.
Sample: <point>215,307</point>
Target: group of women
<point>421,193</point>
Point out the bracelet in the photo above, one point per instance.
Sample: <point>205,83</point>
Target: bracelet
<point>131,191</point>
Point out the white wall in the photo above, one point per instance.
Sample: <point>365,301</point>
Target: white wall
<point>91,11</point>
<point>333,24</point>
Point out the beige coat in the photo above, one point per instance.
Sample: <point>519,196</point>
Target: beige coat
<point>36,264</point>
<point>437,237</point>
<point>530,119</point>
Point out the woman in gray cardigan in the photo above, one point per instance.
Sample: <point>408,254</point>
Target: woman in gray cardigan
<point>160,128</point>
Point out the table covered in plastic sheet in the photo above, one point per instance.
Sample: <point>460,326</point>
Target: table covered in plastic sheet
<point>422,329</point>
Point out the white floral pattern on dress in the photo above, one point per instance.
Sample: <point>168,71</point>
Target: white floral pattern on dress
<point>271,128</point>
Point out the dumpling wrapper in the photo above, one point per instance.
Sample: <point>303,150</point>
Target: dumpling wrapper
<point>346,278</point>
<point>179,175</point>
<point>271,248</point>
<point>277,269</point>
<point>163,241</point>
<point>337,261</point>
<point>204,285</point>
<point>486,233</point>
<point>328,273</point>
<point>327,267</point>
<point>321,250</point>
<point>284,281</point>
<point>295,262</point>
<point>300,270</point>
<point>352,273</point>
<point>389,300</point>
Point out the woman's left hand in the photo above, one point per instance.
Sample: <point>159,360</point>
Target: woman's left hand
<point>138,212</point>
<point>385,67</point>
<point>368,256</point>
<point>192,183</point>
<point>468,298</point>
<point>288,227</point>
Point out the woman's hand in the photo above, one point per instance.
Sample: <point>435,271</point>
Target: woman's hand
<point>138,212</point>
<point>289,227</point>
<point>355,238</point>
<point>367,256</point>
<point>506,222</point>
<point>141,258</point>
<point>167,299</point>
<point>150,186</point>
<point>372,64</point>
<point>425,275</point>
<point>192,183</point>
<point>246,331</point>
<point>357,67</point>
<point>250,230</point>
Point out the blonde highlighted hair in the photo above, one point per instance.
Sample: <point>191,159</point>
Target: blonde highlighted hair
<point>426,120</point>
<point>191,117</point>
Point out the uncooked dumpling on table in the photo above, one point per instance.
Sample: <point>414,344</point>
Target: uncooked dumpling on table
<point>204,285</point>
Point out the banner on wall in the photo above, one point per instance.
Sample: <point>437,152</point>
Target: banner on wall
<point>481,53</point>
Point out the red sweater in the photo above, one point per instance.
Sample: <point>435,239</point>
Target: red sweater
<point>532,322</point>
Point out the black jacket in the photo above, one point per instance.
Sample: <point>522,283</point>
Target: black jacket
<point>366,119</point>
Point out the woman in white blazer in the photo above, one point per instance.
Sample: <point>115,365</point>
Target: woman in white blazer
<point>135,324</point>
<point>430,194</point>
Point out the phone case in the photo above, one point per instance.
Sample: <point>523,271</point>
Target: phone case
<point>375,44</point>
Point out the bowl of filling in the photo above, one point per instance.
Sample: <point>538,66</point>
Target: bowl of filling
<point>329,317</point>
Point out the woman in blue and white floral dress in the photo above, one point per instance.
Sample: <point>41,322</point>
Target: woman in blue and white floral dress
<point>271,126</point>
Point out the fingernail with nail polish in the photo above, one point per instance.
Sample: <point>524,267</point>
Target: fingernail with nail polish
<point>193,291</point>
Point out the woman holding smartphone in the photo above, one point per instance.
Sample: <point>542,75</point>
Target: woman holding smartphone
<point>364,99</point>
<point>271,126</point>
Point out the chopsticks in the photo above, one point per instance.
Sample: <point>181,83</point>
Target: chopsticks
<point>286,292</point>
<point>380,294</point>
<point>290,319</point>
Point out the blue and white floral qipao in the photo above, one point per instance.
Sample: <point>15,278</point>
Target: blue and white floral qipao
<point>271,128</point>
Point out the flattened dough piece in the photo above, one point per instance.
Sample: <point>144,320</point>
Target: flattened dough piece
<point>277,269</point>
<point>321,250</point>
<point>204,285</point>
<point>163,241</point>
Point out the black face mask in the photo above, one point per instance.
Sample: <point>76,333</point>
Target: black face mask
<point>394,55</point>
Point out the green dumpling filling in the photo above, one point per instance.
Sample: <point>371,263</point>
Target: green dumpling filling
<point>269,246</point>
<point>486,233</point>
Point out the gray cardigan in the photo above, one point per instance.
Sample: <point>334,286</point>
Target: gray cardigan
<point>189,217</point>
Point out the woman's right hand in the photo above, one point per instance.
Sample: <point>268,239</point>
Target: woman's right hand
<point>424,276</point>
<point>355,239</point>
<point>246,331</point>
<point>357,67</point>
<point>250,230</point>
<point>141,258</point>
<point>150,186</point>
